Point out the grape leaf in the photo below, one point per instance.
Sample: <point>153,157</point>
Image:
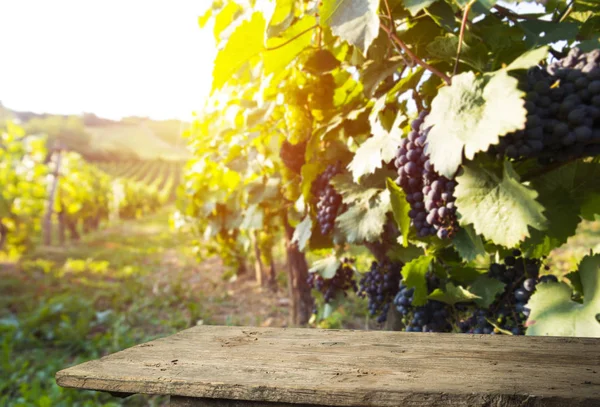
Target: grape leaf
<point>326,267</point>
<point>310,172</point>
<point>452,294</point>
<point>465,275</point>
<point>203,19</point>
<point>575,280</point>
<point>468,244</point>
<point>276,59</point>
<point>413,274</point>
<point>225,17</point>
<point>303,232</point>
<point>476,56</point>
<point>565,193</point>
<point>442,13</point>
<point>562,222</point>
<point>320,62</point>
<point>486,288</point>
<point>357,192</point>
<point>554,313</point>
<point>409,81</point>
<point>529,59</point>
<point>381,147</point>
<point>404,254</point>
<point>355,21</point>
<point>376,71</point>
<point>400,209</point>
<point>245,43</point>
<point>364,221</point>
<point>414,6</point>
<point>282,17</point>
<point>552,31</point>
<point>490,196</point>
<point>253,218</point>
<point>591,207</point>
<point>471,115</point>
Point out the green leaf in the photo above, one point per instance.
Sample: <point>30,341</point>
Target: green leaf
<point>468,244</point>
<point>413,275</point>
<point>589,45</point>
<point>303,232</point>
<point>276,59</point>
<point>225,17</point>
<point>563,218</point>
<point>354,21</point>
<point>552,32</point>
<point>591,207</point>
<point>408,82</point>
<point>376,71</point>
<point>310,172</point>
<point>490,196</point>
<point>441,12</point>
<point>203,19</point>
<point>486,288</point>
<point>282,17</point>
<point>452,294</point>
<point>471,115</point>
<point>364,221</point>
<point>326,267</point>
<point>320,62</point>
<point>398,253</point>
<point>465,275</point>
<point>355,192</point>
<point>245,43</point>
<point>253,218</point>
<point>414,6</point>
<point>575,280</point>
<point>400,209</point>
<point>566,193</point>
<point>476,56</point>
<point>381,147</point>
<point>529,59</point>
<point>554,313</point>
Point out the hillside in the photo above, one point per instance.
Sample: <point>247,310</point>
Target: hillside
<point>102,139</point>
<point>139,138</point>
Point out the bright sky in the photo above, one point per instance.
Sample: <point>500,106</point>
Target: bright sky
<point>111,57</point>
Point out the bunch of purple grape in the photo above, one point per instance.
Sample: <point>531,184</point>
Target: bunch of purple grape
<point>563,111</point>
<point>341,282</point>
<point>430,195</point>
<point>380,285</point>
<point>431,317</point>
<point>509,311</point>
<point>329,201</point>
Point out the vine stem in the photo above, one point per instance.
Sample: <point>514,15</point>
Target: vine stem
<point>461,36</point>
<point>292,39</point>
<point>415,58</point>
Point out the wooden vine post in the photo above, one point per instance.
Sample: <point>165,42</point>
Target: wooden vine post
<point>47,224</point>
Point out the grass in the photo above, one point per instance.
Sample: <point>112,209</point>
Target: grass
<point>114,289</point>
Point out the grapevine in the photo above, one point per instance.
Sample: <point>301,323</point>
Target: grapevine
<point>469,149</point>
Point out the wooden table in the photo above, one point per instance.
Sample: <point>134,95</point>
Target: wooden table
<point>276,367</point>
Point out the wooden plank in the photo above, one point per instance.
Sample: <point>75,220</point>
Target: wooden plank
<point>352,368</point>
<point>177,401</point>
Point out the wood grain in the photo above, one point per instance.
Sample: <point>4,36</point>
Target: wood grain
<point>352,368</point>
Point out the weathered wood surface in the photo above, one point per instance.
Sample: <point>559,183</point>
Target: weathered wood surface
<point>351,368</point>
